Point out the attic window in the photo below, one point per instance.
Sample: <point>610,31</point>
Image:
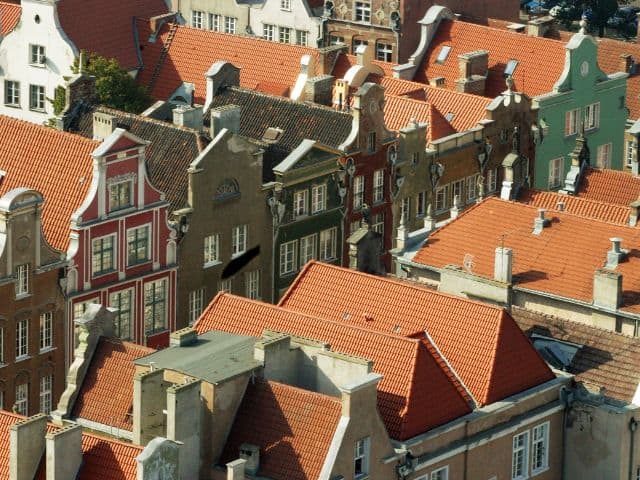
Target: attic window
<point>558,353</point>
<point>272,134</point>
<point>449,116</point>
<point>510,68</point>
<point>443,54</point>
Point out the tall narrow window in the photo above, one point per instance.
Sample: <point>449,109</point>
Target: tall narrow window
<point>421,204</point>
<point>472,187</point>
<point>571,122</point>
<point>46,386</point>
<point>592,116</point>
<point>378,186</point>
<point>302,37</point>
<point>630,153</point>
<point>269,32</point>
<point>22,338</point>
<point>36,55</point>
<point>328,243</point>
<point>288,257</point>
<point>252,280</point>
<point>361,458</point>
<point>103,255</point>
<point>121,301</point>
<point>520,456</point>
<point>211,249</point>
<point>604,155</point>
<point>442,198</point>
<point>318,198</point>
<point>225,285</point>
<point>238,240</point>
<point>458,190</point>
<point>37,98</point>
<point>22,279</point>
<point>229,25</point>
<point>214,22</point>
<point>196,305</point>
<point>138,245</point>
<point>120,195</point>
<point>358,192</point>
<point>284,35</point>
<point>555,172</point>
<point>155,306</point>
<point>492,180</point>
<point>300,203</point>
<point>377,223</point>
<point>540,448</point>
<point>46,330</point>
<point>371,142</point>
<point>22,399</point>
<point>11,93</point>
<point>308,248</point>
<point>197,18</point>
<point>405,209</point>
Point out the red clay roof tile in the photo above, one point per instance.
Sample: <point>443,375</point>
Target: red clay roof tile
<point>6,420</point>
<point>610,186</point>
<point>609,52</point>
<point>9,16</point>
<point>57,164</point>
<point>108,459</point>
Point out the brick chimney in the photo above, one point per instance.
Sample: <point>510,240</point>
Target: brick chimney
<point>64,453</point>
<point>473,68</point>
<point>26,446</point>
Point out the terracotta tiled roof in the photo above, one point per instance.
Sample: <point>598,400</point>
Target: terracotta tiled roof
<point>561,260</point>
<point>534,54</point>
<point>107,28</point>
<point>609,52</point>
<point>417,393</point>
<point>269,65</point>
<point>6,420</point>
<point>168,156</point>
<point>611,186</point>
<point>9,16</point>
<point>106,394</point>
<point>480,342</point>
<point>57,164</point>
<point>607,358</point>
<point>108,459</point>
<point>580,206</point>
<point>293,428</point>
<point>345,61</point>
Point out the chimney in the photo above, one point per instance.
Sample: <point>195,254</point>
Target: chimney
<point>626,63</point>
<point>540,222</point>
<point>160,456</point>
<point>183,425</point>
<point>635,211</point>
<point>103,125</point>
<point>516,27</point>
<point>538,27</point>
<point>26,446</point>
<point>64,453</point>
<point>149,402</point>
<point>251,454</point>
<point>219,76</point>
<point>503,265</point>
<point>319,89</point>
<point>360,395</point>
<point>607,288</point>
<point>187,116</point>
<point>473,68</point>
<point>364,55</point>
<point>183,337</point>
<point>341,95</point>
<point>235,469</point>
<point>616,254</point>
<point>437,81</point>
<point>560,205</point>
<point>227,117</point>
<point>455,209</point>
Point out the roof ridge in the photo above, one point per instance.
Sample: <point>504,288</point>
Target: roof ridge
<point>154,121</point>
<point>611,171</point>
<point>49,130</point>
<point>509,32</point>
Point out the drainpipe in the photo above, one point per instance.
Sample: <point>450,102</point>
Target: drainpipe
<point>633,425</point>
<point>566,396</point>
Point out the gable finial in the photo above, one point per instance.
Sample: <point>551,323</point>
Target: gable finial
<point>583,24</point>
<point>509,82</point>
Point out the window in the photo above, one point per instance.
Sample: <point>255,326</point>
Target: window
<point>22,338</point>
<point>211,249</point>
<point>571,122</point>
<point>300,203</point>
<point>358,192</point>
<point>378,186</point>
<point>356,42</point>
<point>46,330</point>
<point>238,240</point>
<point>122,323</point>
<point>362,12</point>
<point>440,474</point>
<point>46,383</point>
<point>11,93</point>
<point>229,25</point>
<point>540,448</point>
<point>120,195</point>
<point>138,245</point>
<point>630,156</point>
<point>103,255</point>
<point>353,226</point>
<point>458,190</point>
<point>1,346</point>
<point>520,456</point>
<point>37,56</point>
<point>155,306</point>
<point>214,22</point>
<point>361,458</point>
<point>308,248</point>
<point>196,305</point>
<point>288,257</point>
<point>510,68</point>
<point>328,243</point>
<point>197,19</point>
<point>492,180</point>
<point>443,54</point>
<point>472,187</point>
<point>442,198</point>
<point>377,223</point>
<point>225,285</point>
<point>22,399</point>
<point>318,198</point>
<point>285,4</point>
<point>2,399</point>
<point>421,204</point>
<point>555,172</point>
<point>371,142</point>
<point>269,32</point>
<point>252,281</point>
<point>22,279</point>
<point>302,37</point>
<point>592,116</point>
<point>405,209</point>
<point>284,35</point>
<point>384,51</point>
<point>336,40</point>
<point>81,307</point>
<point>604,156</point>
<point>36,97</point>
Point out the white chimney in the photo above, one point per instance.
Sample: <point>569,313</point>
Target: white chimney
<point>634,213</point>
<point>235,469</point>
<point>540,222</point>
<point>188,116</point>
<point>64,452</point>
<point>503,265</point>
<point>560,205</point>
<point>616,254</point>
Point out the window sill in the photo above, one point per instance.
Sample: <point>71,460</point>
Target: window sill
<point>212,264</point>
<point>47,350</point>
<point>23,296</point>
<point>22,358</point>
<point>37,110</point>
<point>11,105</point>
<point>2,365</point>
<point>288,274</point>
<point>38,65</point>
<point>239,254</point>
<point>137,264</point>
<point>539,471</point>
<point>102,273</point>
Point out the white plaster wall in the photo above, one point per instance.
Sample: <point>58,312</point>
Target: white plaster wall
<point>15,58</point>
<point>298,18</point>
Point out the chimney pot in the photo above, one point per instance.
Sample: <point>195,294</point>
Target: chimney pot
<point>560,205</point>
<point>616,254</point>
<point>540,222</point>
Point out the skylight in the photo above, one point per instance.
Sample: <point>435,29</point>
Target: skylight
<point>444,53</point>
<point>510,68</point>
<point>449,116</point>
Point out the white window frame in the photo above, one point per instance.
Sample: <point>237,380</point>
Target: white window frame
<point>197,19</point>
<point>377,223</point>
<point>46,331</point>
<point>284,34</point>
<point>571,122</point>
<point>285,5</point>
<point>100,255</point>
<point>520,456</point>
<point>22,399</point>
<point>378,186</point>
<point>318,198</point>
<point>269,32</point>
<point>302,37</point>
<point>252,284</point>
<point>196,304</point>
<point>421,204</point>
<point>604,155</point>
<point>442,198</point>
<point>12,93</point>
<point>630,153</point>
<point>457,188</point>
<point>288,257</point>
<point>239,240</point>
<point>336,40</point>
<point>124,316</point>
<point>441,473</point>
<point>492,180</point>
<point>308,248</point>
<point>301,203</point>
<point>37,98</point>
<point>155,308</point>
<point>230,24</point>
<point>384,51</point>
<point>211,251</point>
<point>556,168</point>
<point>37,57</point>
<point>134,240</point>
<point>358,192</point>
<point>120,197</point>
<point>225,285</point>
<point>472,187</point>
<point>46,390</point>
<point>361,458</point>
<point>592,116</point>
<point>22,338</point>
<point>328,241</point>
<point>540,440</point>
<point>214,22</point>
<point>22,280</point>
<point>362,12</point>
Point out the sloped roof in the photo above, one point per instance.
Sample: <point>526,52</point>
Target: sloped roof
<point>561,260</point>
<point>293,428</point>
<point>609,52</point>
<point>6,420</point>
<point>418,391</point>
<point>9,16</point>
<point>606,359</point>
<point>108,459</point>
<point>107,28</point>
<point>480,342</point>
<point>57,164</point>
<point>534,55</point>
<point>345,61</point>
<point>167,157</point>
<point>580,206</point>
<point>610,186</point>
<point>106,394</point>
<point>264,65</point>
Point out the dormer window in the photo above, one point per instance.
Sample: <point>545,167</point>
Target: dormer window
<point>120,195</point>
<point>510,68</point>
<point>443,54</point>
<point>37,56</point>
